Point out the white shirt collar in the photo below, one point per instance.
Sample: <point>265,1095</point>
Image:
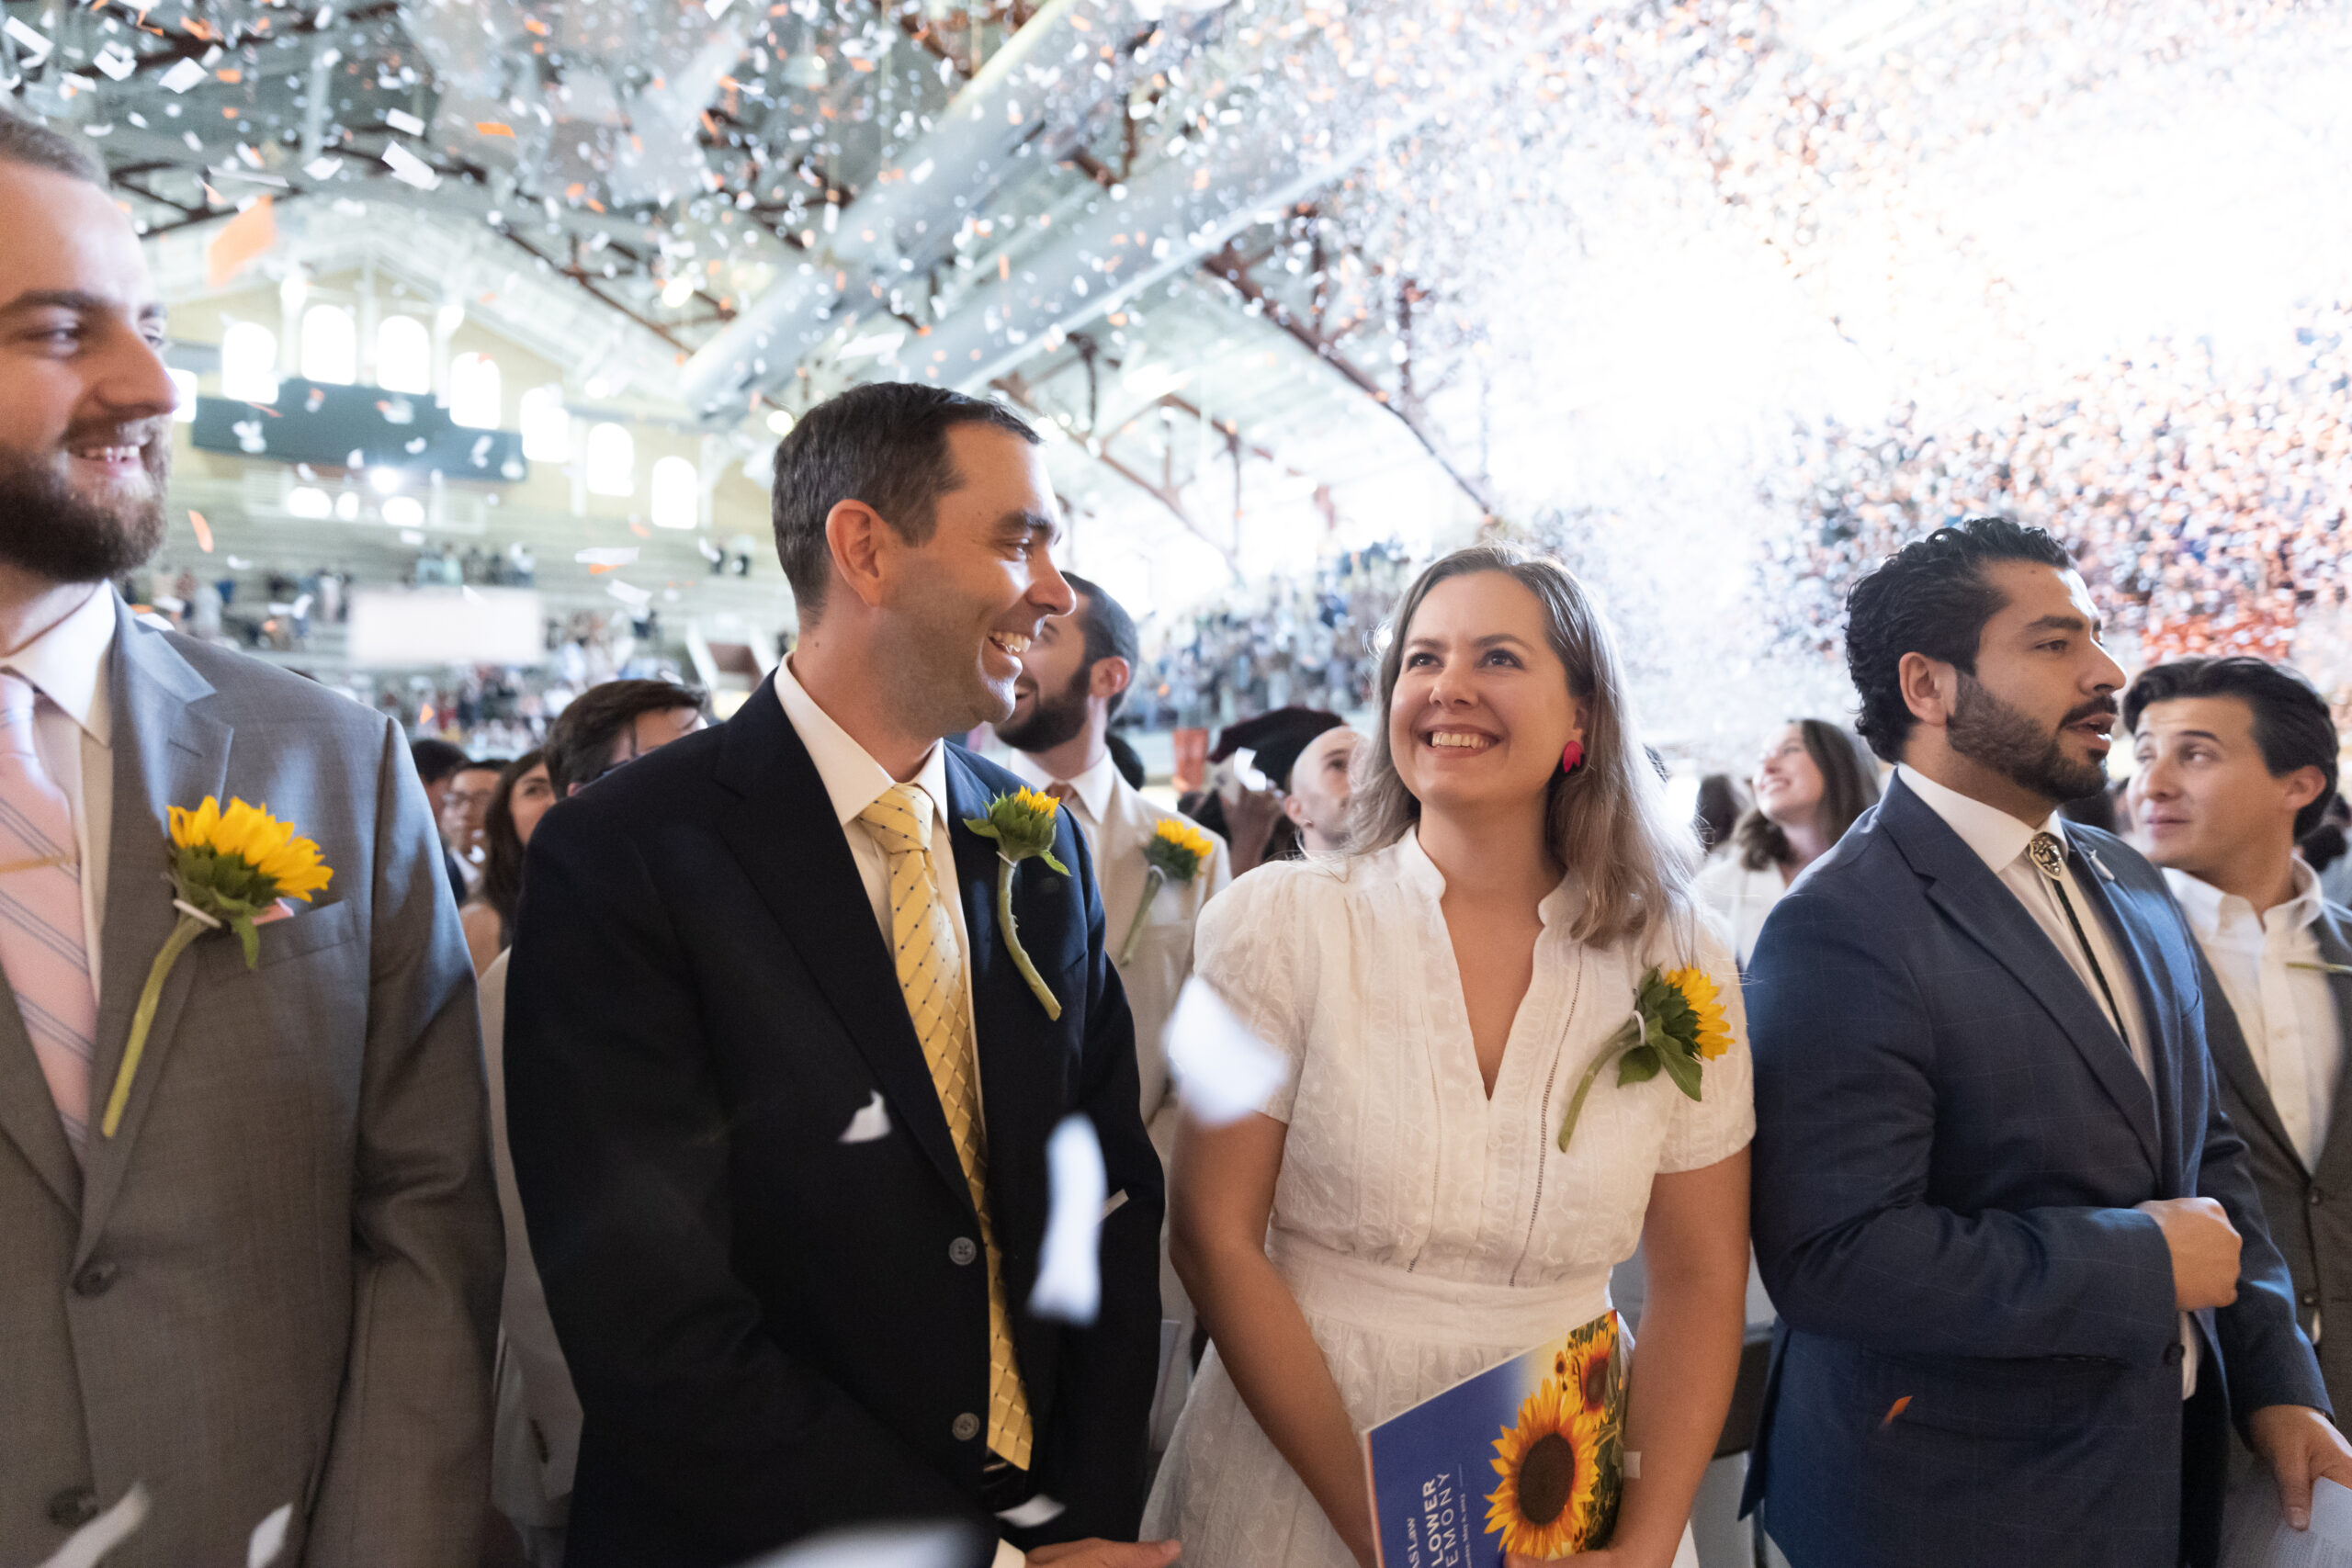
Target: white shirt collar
<point>1093,787</point>
<point>1997,837</point>
<point>68,662</point>
<point>852,779</point>
<point>2207,905</point>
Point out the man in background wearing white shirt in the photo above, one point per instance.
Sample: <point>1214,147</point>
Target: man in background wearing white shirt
<point>2237,760</point>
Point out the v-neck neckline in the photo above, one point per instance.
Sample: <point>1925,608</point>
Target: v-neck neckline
<point>1451,1004</point>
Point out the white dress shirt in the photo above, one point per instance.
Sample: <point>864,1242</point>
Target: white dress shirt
<point>74,732</point>
<point>854,781</point>
<point>2277,984</point>
<point>2000,840</point>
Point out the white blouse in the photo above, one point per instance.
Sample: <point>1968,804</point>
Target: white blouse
<point>1395,1154</point>
<point>1742,895</point>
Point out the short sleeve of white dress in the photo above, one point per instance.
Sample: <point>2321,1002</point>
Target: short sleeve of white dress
<point>1723,1120</point>
<point>1256,946</point>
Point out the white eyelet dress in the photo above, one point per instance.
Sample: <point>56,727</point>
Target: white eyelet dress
<point>1427,1231</point>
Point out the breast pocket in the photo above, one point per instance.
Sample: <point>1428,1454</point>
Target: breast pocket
<point>298,936</point>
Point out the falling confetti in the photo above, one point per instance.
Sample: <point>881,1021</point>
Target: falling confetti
<point>203,531</point>
<point>1223,1071</point>
<point>1070,1276</point>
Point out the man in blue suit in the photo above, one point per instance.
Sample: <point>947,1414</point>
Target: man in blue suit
<point>2021,1267</point>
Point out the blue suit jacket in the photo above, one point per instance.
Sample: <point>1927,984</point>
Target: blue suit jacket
<point>1950,1140</point>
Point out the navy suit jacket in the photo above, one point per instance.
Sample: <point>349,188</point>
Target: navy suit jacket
<point>774,1332</point>
<point>1979,1354</point>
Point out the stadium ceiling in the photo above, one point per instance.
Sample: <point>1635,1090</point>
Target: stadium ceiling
<point>1107,211</point>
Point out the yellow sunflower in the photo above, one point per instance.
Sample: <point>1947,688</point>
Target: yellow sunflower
<point>1547,1503</point>
<point>1586,1380</point>
<point>263,847</point>
<point>1697,988</point>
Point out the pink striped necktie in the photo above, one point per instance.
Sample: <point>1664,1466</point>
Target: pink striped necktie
<point>41,942</point>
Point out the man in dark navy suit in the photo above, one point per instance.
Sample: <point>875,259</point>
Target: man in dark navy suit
<point>779,1097</point>
<point>2017,1248</point>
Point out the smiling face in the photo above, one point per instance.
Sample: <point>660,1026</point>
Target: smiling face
<point>1482,708</point>
<point>1049,695</point>
<point>85,404</point>
<point>1788,782</point>
<point>2042,706</point>
<point>2204,800</point>
<point>964,607</point>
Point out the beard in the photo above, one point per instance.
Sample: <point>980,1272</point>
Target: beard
<point>52,531</point>
<point>1052,720</point>
<point>1987,730</point>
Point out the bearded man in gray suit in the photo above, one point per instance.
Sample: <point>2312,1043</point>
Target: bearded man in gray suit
<point>275,1279</point>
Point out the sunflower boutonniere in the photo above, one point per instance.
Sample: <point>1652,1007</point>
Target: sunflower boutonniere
<point>1021,824</point>
<point>228,870</point>
<point>1676,1024</point>
<point>1175,852</point>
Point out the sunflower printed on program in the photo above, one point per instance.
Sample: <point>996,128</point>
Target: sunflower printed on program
<point>1587,1365</point>
<point>1547,1501</point>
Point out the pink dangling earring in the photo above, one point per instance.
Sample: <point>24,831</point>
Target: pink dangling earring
<point>1572,756</point>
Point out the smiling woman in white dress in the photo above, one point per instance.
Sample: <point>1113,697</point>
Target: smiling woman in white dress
<point>1399,1216</point>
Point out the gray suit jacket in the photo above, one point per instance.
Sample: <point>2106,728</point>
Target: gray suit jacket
<point>2310,1211</point>
<point>278,1282</point>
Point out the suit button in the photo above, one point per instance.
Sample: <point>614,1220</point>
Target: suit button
<point>2311,1297</point>
<point>966,1428</point>
<point>95,1281</point>
<point>2317,1197</point>
<point>2172,1354</point>
<point>961,1251</point>
<point>73,1507</point>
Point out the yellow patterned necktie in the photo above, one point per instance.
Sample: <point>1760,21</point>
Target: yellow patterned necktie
<point>931,975</point>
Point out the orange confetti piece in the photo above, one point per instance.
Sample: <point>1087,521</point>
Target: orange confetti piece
<point>1897,1408</point>
<point>229,73</point>
<point>203,530</point>
<point>242,241</point>
<point>493,128</point>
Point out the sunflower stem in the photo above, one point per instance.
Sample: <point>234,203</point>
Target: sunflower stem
<point>1618,1045</point>
<point>1154,880</point>
<point>1012,939</point>
<point>142,1018</point>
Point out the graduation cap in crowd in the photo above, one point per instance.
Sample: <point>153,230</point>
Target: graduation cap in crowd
<point>1275,739</point>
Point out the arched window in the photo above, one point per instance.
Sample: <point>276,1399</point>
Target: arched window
<point>403,354</point>
<point>474,392</point>
<point>547,426</point>
<point>677,493</point>
<point>612,460</point>
<point>249,363</point>
<point>330,345</point>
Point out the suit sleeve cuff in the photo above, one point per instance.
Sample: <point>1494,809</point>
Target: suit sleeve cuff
<point>1009,1556</point>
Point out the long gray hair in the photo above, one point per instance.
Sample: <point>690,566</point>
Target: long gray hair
<point>1608,821</point>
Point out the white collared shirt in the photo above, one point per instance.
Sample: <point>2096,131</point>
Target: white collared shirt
<point>854,781</point>
<point>1999,841</point>
<point>74,732</point>
<point>1093,788</point>
<point>2273,977</point>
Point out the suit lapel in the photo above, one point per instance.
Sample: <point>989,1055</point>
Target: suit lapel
<point>169,749</point>
<point>1006,1016</point>
<point>2225,1038</point>
<point>28,1114</point>
<point>1977,901</point>
<point>2134,944</point>
<point>2335,948</point>
<point>783,831</point>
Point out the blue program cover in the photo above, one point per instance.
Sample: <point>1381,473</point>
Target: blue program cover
<point>1528,1456</point>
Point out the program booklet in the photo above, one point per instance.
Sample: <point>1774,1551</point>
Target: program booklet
<point>1526,1457</point>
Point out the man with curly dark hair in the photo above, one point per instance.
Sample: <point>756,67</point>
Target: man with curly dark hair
<point>2019,1257</point>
